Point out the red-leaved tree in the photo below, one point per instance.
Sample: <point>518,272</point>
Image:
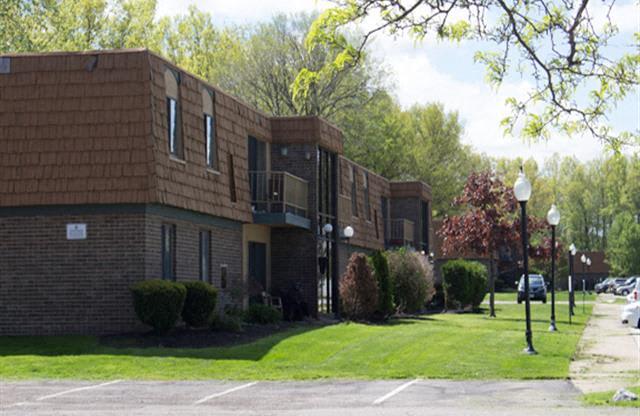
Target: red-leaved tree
<point>489,220</point>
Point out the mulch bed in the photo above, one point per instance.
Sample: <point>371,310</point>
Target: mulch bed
<point>198,338</point>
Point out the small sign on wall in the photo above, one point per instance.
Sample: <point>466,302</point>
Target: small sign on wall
<point>5,65</point>
<point>76,231</point>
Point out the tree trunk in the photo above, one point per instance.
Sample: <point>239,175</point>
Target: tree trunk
<point>492,289</point>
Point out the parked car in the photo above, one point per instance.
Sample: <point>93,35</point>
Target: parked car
<point>537,288</point>
<point>627,287</point>
<point>603,287</point>
<point>617,282</point>
<point>629,314</point>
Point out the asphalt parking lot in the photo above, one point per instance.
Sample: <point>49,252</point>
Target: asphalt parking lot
<point>391,397</point>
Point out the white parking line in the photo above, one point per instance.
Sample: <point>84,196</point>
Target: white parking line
<point>213,396</point>
<point>62,393</point>
<point>395,391</point>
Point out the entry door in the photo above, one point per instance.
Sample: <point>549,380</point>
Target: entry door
<point>258,263</point>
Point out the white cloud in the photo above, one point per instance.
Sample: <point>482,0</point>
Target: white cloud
<point>419,80</point>
<point>432,71</point>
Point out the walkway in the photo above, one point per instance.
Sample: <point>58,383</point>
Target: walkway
<point>608,355</point>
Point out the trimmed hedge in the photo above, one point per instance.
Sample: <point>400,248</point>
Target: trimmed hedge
<point>199,303</point>
<point>464,284</point>
<point>158,303</point>
<point>385,285</point>
<point>259,313</point>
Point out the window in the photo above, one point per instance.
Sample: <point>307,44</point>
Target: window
<point>211,147</point>
<point>205,256</point>
<point>232,180</point>
<point>168,251</point>
<point>354,196</point>
<point>375,217</point>
<point>367,205</point>
<point>223,276</point>
<point>174,120</point>
<point>210,139</point>
<point>424,219</point>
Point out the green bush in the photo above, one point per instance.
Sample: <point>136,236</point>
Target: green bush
<point>464,283</point>
<point>385,285</point>
<point>158,303</point>
<point>262,314</point>
<point>412,278</point>
<point>227,323</point>
<point>199,303</point>
<point>358,289</point>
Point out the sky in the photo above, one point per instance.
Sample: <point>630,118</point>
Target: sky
<point>444,72</point>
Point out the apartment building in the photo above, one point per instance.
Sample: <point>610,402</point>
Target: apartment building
<point>118,166</point>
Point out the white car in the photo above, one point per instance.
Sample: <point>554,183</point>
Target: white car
<point>628,312</point>
<point>634,316</point>
<point>631,312</point>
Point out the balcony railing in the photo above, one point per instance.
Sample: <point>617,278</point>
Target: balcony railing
<point>278,192</point>
<point>402,231</point>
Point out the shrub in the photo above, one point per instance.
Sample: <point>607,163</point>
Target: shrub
<point>358,289</point>
<point>464,283</point>
<point>385,286</point>
<point>259,313</point>
<point>412,278</point>
<point>199,303</point>
<point>158,303</point>
<point>227,323</point>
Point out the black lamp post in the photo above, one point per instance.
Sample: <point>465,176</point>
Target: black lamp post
<point>522,191</point>
<point>553,217</point>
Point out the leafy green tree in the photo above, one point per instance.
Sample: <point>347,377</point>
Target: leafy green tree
<point>578,79</point>
<point>623,254</point>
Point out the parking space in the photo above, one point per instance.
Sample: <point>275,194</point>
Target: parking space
<point>390,397</point>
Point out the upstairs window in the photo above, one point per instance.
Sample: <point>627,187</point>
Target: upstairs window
<point>354,195</point>
<point>367,205</point>
<point>232,180</point>
<point>211,146</point>
<point>174,119</point>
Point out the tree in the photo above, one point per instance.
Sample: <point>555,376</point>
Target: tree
<point>578,78</point>
<point>273,55</point>
<point>624,247</point>
<point>488,223</point>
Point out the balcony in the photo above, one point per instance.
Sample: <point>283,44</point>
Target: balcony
<point>402,232</point>
<point>279,199</point>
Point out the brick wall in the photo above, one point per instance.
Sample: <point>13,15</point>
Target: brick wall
<point>51,285</point>
<point>294,252</point>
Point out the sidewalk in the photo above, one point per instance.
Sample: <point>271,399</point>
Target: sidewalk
<point>608,355</point>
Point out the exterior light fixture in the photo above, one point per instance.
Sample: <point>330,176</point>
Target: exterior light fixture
<point>583,258</point>
<point>553,218</point>
<point>347,232</point>
<point>588,262</point>
<point>328,228</point>
<point>572,252</point>
<point>522,191</point>
<point>522,188</point>
<point>284,150</point>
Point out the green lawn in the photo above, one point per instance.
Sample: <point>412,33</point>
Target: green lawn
<point>560,296</point>
<point>604,399</point>
<point>456,346</point>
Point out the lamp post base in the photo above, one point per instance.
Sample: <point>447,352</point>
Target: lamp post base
<point>530,351</point>
<point>552,326</point>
